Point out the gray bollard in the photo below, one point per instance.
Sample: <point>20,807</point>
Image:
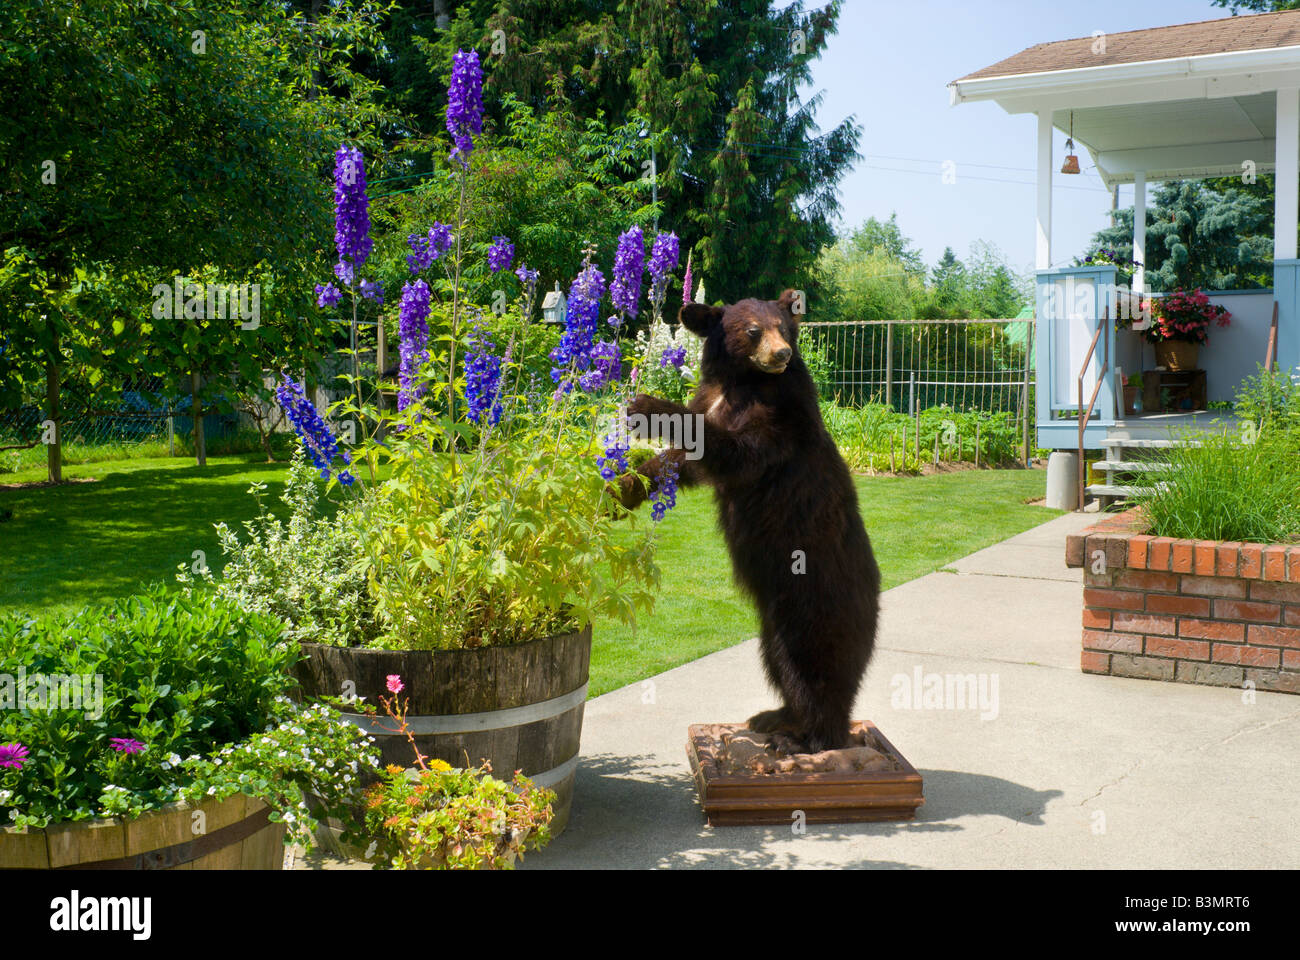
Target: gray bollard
<point>1063,480</point>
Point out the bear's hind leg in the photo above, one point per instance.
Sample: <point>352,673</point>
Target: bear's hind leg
<point>772,721</point>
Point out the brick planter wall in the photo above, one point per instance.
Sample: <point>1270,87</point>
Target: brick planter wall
<point>1196,611</point>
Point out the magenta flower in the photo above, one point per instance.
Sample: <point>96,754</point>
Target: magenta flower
<point>126,745</point>
<point>395,684</point>
<point>13,755</point>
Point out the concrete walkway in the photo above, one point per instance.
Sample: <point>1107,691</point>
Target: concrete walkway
<point>1070,770</point>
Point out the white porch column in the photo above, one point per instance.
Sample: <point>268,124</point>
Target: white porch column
<point>1287,176</point>
<point>1140,231</point>
<point>1043,246</point>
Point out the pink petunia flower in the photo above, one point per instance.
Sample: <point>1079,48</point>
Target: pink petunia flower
<point>395,683</point>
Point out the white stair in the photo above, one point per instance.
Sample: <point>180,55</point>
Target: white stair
<point>1117,466</point>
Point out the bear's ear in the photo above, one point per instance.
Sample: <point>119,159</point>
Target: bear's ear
<point>787,302</point>
<point>699,318</point>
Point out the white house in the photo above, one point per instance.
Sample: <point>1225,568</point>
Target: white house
<point>1209,99</point>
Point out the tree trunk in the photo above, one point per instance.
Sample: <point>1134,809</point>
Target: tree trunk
<point>200,448</point>
<point>54,449</point>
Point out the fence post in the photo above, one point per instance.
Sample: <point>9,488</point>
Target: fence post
<point>1024,401</point>
<point>911,403</point>
<point>171,431</point>
<point>889,364</point>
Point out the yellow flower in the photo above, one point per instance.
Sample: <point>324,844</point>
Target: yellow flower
<point>439,766</point>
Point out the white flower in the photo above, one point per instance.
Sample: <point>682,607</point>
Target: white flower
<point>5,795</point>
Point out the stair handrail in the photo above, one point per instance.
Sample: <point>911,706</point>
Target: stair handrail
<point>1101,378</point>
<point>1271,354</point>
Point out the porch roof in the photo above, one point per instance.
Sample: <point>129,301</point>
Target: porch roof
<point>1136,109</point>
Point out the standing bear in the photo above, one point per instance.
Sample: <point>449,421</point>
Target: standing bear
<point>787,507</point>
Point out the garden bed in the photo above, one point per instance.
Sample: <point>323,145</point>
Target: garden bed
<point>1192,611</point>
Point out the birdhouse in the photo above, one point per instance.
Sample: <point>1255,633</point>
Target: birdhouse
<point>553,305</point>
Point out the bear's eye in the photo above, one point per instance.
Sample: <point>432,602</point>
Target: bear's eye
<point>754,333</point>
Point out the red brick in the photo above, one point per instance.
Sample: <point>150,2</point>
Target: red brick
<point>1247,610</point>
<point>1274,636</point>
<point>1284,592</point>
<point>1181,556</point>
<point>1184,606</point>
<point>1120,642</point>
<point>1251,565</point>
<point>1141,623</point>
<point>1114,599</point>
<point>1291,659</point>
<point>1203,553</point>
<point>1183,649</point>
<point>1097,579</point>
<point>1158,553</point>
<point>1137,551</point>
<point>1226,562</point>
<point>1291,616</point>
<point>1074,550</point>
<point>1249,656</point>
<point>1147,580</point>
<point>1275,562</point>
<point>1096,619</point>
<point>1215,587</point>
<point>1212,630</point>
<point>1092,662</point>
<point>1293,565</point>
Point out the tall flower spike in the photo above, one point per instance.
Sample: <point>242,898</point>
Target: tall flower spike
<point>629,265</point>
<point>465,104</point>
<point>312,429</point>
<point>413,331</point>
<point>351,210</point>
<point>686,280</point>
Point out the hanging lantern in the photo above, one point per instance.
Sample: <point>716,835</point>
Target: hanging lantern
<point>1071,164</point>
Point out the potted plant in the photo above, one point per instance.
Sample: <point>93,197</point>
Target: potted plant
<point>436,816</point>
<point>1180,323</point>
<point>156,732</point>
<point>1132,392</point>
<point>480,539</point>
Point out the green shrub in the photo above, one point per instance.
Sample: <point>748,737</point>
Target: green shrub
<point>168,689</point>
<point>864,435</point>
<point>1229,488</point>
<point>304,571</point>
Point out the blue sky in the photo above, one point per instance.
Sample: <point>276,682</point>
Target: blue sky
<point>889,66</point>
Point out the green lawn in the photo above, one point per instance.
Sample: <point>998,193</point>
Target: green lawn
<point>84,542</point>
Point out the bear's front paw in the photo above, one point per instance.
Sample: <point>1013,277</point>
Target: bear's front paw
<point>770,721</point>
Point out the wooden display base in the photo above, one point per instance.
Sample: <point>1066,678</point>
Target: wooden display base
<point>839,796</point>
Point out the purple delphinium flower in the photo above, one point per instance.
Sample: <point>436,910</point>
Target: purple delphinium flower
<point>126,745</point>
<point>351,210</point>
<point>686,282</point>
<point>663,256</point>
<point>664,497</point>
<point>614,461</point>
<point>430,248</point>
<point>500,254</point>
<point>527,276</point>
<point>482,378</point>
<point>13,755</point>
<point>372,291</point>
<point>672,357</point>
<point>413,330</point>
<point>311,427</point>
<point>464,104</point>
<point>629,265</point>
<point>581,315</point>
<point>328,295</point>
<point>343,270</point>
<point>606,364</point>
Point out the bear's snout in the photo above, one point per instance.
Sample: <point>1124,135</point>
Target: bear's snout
<point>773,354</point>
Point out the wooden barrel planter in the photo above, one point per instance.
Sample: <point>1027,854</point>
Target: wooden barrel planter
<point>519,707</point>
<point>234,834</point>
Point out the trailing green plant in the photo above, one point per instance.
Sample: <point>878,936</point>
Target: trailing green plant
<point>302,570</point>
<point>436,816</point>
<point>158,698</point>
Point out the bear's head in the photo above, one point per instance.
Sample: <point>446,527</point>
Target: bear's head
<point>756,334</point>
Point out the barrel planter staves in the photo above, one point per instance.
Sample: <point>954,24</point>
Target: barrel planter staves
<point>518,706</point>
<point>232,834</point>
